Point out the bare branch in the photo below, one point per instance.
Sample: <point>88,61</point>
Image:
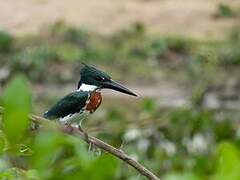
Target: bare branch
<point>100,144</point>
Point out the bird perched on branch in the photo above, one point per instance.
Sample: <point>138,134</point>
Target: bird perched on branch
<point>74,107</point>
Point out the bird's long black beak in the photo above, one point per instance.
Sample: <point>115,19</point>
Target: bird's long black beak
<point>118,87</point>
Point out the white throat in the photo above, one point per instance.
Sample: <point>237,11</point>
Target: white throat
<point>87,87</point>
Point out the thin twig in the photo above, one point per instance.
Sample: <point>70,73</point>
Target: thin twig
<point>100,144</point>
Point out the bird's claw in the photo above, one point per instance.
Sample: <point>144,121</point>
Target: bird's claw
<point>68,127</point>
<point>94,149</point>
<point>91,147</point>
<point>85,134</point>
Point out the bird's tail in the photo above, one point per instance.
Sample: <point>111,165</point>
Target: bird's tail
<point>45,115</point>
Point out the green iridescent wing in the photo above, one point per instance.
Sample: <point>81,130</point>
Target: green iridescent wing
<point>70,104</point>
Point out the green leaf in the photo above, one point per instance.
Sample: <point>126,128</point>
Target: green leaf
<point>228,163</point>
<point>17,103</point>
<point>47,146</point>
<point>104,167</point>
<point>84,156</point>
<point>32,175</point>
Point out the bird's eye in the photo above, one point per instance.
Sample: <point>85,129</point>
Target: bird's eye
<point>99,78</point>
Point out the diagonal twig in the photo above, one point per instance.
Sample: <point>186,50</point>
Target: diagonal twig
<point>100,144</point>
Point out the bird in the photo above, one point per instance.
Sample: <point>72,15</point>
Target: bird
<point>85,99</point>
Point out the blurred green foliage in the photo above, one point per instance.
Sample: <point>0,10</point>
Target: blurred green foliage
<point>17,103</point>
<point>184,176</point>
<point>224,10</point>
<point>144,54</point>
<point>228,162</point>
<point>6,42</point>
<point>182,143</point>
<point>176,143</point>
<point>47,154</point>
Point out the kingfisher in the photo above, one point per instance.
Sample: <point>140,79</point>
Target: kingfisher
<point>75,106</point>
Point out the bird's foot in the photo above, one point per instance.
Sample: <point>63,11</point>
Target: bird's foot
<point>68,127</point>
<point>91,147</point>
<point>34,126</point>
<point>94,149</point>
<point>85,134</point>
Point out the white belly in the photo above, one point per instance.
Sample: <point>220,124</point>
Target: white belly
<point>74,118</point>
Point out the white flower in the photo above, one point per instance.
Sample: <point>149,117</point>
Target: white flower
<point>198,144</point>
<point>132,134</point>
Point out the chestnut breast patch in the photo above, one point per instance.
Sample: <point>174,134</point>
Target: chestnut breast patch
<point>93,102</point>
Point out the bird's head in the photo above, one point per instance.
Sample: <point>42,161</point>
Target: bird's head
<point>92,79</point>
